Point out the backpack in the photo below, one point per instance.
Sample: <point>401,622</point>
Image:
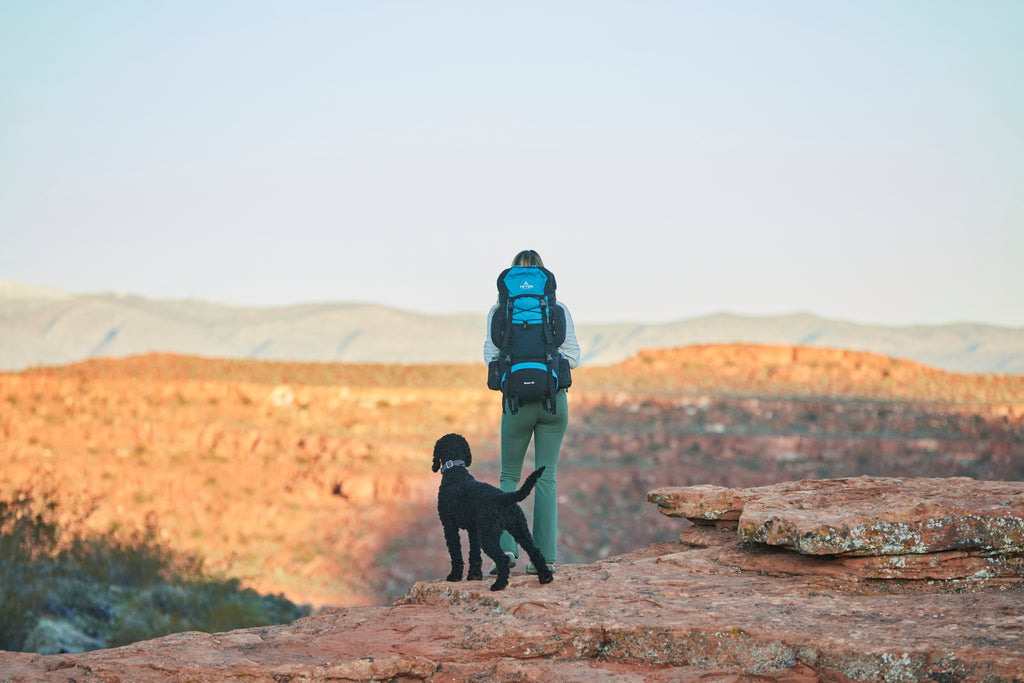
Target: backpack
<point>528,326</point>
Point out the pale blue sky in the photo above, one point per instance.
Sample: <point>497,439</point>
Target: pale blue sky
<point>857,160</point>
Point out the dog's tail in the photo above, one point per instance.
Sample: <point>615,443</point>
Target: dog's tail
<point>524,490</point>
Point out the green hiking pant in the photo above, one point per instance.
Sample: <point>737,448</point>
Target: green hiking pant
<point>547,430</point>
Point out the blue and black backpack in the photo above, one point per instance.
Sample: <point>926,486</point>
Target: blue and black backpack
<point>528,327</point>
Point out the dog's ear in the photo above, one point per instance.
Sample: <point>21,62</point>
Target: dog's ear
<point>438,447</point>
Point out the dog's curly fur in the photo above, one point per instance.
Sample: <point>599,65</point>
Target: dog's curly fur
<point>484,511</point>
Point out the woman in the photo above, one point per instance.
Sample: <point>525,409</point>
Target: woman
<point>546,429</point>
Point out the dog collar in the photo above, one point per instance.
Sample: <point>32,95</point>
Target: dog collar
<point>450,464</point>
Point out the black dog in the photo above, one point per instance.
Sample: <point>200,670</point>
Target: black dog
<point>484,511</point>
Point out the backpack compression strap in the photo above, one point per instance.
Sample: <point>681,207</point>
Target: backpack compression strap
<point>505,366</point>
<point>549,400</point>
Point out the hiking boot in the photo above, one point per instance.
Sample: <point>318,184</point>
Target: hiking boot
<point>511,563</point>
<point>530,569</point>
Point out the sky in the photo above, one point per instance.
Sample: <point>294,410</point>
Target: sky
<point>860,160</point>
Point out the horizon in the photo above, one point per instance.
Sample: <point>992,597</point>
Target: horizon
<point>669,161</point>
<point>371,304</point>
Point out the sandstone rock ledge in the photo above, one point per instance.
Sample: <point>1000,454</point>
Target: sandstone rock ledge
<point>711,608</point>
<point>868,527</point>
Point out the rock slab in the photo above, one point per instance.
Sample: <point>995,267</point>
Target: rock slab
<point>670,612</point>
<point>864,516</point>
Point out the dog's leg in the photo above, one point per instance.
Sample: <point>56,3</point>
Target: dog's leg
<point>491,545</point>
<point>451,539</point>
<point>476,564</point>
<point>521,532</point>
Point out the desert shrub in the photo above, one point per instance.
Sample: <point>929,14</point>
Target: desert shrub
<point>63,591</point>
<point>28,537</point>
<point>211,605</point>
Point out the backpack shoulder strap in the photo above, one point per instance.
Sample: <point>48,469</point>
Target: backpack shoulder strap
<point>503,293</point>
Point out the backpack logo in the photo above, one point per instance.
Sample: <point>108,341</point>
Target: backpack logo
<point>525,285</point>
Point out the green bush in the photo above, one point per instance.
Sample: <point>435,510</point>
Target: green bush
<point>69,592</point>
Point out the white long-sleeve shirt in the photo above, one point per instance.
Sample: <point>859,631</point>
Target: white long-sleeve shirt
<point>570,348</point>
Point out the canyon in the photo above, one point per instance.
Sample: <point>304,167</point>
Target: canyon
<point>313,480</point>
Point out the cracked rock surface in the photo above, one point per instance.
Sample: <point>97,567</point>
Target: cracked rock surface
<point>701,609</point>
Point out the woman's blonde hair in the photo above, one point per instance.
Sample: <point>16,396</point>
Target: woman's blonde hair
<point>528,258</point>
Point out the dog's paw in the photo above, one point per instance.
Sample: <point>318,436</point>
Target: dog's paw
<point>547,578</point>
<point>474,576</point>
<point>454,577</point>
<point>499,585</point>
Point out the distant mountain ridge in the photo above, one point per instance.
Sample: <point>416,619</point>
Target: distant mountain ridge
<point>43,326</point>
